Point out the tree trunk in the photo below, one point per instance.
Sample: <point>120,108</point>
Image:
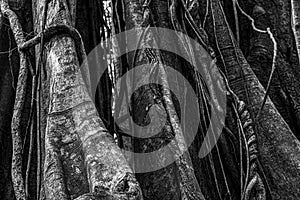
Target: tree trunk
<point>277,143</point>
<point>59,143</point>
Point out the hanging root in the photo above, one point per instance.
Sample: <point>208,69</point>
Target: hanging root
<point>254,175</point>
<point>206,13</point>
<point>275,49</point>
<point>29,156</point>
<point>10,52</point>
<point>17,178</point>
<point>200,33</point>
<point>1,20</point>
<point>272,72</point>
<point>38,98</point>
<point>252,180</point>
<point>236,17</point>
<point>30,130</point>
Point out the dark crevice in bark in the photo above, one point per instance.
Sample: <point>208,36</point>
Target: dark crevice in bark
<point>7,72</point>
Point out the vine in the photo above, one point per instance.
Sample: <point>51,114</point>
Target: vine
<point>275,49</point>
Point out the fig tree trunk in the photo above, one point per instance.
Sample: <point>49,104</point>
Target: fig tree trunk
<point>60,135</point>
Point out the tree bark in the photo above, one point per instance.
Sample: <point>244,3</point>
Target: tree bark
<point>56,143</point>
<point>295,7</point>
<point>176,181</point>
<point>277,143</point>
<point>81,160</point>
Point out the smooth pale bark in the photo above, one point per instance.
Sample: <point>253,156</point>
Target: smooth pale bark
<point>81,157</point>
<point>279,149</point>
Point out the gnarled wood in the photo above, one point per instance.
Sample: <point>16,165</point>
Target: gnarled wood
<point>177,180</point>
<point>17,178</point>
<point>276,141</point>
<point>80,155</point>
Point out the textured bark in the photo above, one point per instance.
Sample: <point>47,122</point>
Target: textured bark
<point>260,59</point>
<point>295,13</point>
<point>17,158</point>
<point>220,174</point>
<point>11,63</point>
<point>277,143</point>
<point>67,147</point>
<point>81,157</point>
<point>176,181</point>
<point>279,14</point>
